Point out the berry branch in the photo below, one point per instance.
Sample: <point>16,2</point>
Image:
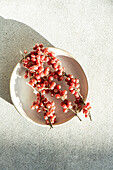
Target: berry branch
<point>32,107</point>
<point>41,77</point>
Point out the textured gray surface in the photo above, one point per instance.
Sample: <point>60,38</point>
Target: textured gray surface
<point>85,29</point>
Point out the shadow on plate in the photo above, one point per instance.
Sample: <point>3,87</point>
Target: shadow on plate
<point>14,36</point>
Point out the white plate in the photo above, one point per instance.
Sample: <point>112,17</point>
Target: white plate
<point>22,95</point>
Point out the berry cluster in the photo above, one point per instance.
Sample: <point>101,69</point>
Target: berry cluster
<point>41,79</point>
<point>86,109</point>
<point>66,105</point>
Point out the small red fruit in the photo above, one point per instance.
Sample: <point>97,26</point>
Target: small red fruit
<point>57,96</point>
<point>25,52</point>
<point>65,110</point>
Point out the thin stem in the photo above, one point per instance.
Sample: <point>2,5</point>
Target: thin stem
<point>76,114</point>
<point>90,116</point>
<point>22,54</point>
<point>51,126</point>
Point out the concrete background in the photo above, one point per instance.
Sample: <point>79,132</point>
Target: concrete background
<point>85,29</point>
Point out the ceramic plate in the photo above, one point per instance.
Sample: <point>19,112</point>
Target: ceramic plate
<point>22,95</point>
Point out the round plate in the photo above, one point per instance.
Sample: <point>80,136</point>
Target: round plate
<point>22,95</point>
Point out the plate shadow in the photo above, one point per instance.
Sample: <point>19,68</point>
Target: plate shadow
<point>14,36</point>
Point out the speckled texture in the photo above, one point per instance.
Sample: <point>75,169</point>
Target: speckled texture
<point>85,29</point>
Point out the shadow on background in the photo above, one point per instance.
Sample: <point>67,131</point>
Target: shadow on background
<point>14,36</point>
<point>36,155</point>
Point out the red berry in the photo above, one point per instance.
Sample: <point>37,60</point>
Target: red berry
<point>38,110</point>
<point>67,79</point>
<point>76,94</point>
<point>77,85</point>
<point>65,110</point>
<point>44,109</point>
<point>76,80</point>
<point>64,106</point>
<point>40,45</point>
<point>70,88</point>
<point>28,58</point>
<point>56,69</point>
<point>36,106</point>
<point>37,57</point>
<point>47,91</point>
<point>46,82</point>
<point>73,80</point>
<point>50,78</point>
<point>38,94</point>
<point>52,94</point>
<point>74,107</point>
<point>39,52</point>
<point>71,76</point>
<point>43,91</point>
<point>88,104</point>
<point>69,103</point>
<point>32,107</point>
<point>47,122</point>
<point>72,91</point>
<point>54,58</point>
<point>33,59</point>
<point>56,76</point>
<point>45,117</point>
<point>64,92</point>
<point>48,113</point>
<point>58,86</point>
<point>46,50</point>
<point>62,103</point>
<point>42,57</point>
<point>53,61</point>
<point>55,65</point>
<point>86,115</point>
<point>34,48</point>
<point>65,101</point>
<point>26,72</point>
<point>34,81</point>
<point>46,73</point>
<point>25,76</point>
<point>60,78</point>
<point>25,52</point>
<point>51,54</point>
<point>48,105</point>
<point>57,96</point>
<point>45,101</point>
<point>84,107</point>
<point>53,84</point>
<point>25,62</point>
<point>33,56</point>
<point>72,84</point>
<point>47,68</point>
<point>85,111</point>
<point>33,68</point>
<point>41,104</point>
<point>60,72</point>
<point>52,104</point>
<point>59,67</point>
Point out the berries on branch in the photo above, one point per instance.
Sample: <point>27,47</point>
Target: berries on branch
<point>41,79</point>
